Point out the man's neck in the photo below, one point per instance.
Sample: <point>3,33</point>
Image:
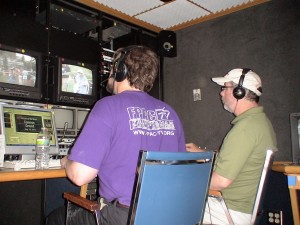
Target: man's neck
<point>244,105</point>
<point>124,86</point>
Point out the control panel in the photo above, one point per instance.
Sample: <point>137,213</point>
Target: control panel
<point>64,145</point>
<point>91,192</point>
<point>106,62</point>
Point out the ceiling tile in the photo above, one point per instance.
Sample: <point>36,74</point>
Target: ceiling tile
<point>131,7</point>
<point>217,6</point>
<point>169,15</point>
<point>177,14</point>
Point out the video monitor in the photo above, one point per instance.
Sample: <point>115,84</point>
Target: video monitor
<point>81,118</point>
<point>77,79</point>
<point>295,136</point>
<point>17,68</point>
<point>21,125</point>
<point>74,83</point>
<point>20,73</point>
<point>64,118</point>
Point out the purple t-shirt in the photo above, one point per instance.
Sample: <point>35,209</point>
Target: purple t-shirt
<point>117,128</point>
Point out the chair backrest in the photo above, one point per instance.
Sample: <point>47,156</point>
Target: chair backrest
<point>170,188</point>
<point>257,211</point>
<point>262,186</point>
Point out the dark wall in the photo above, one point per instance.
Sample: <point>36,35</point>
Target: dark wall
<point>22,33</point>
<point>21,202</point>
<point>264,38</point>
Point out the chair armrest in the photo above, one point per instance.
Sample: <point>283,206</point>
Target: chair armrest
<point>215,193</point>
<point>92,206</point>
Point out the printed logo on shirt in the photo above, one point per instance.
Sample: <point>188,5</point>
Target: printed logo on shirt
<point>150,122</point>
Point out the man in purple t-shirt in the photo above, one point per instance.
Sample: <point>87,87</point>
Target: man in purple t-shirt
<point>118,127</point>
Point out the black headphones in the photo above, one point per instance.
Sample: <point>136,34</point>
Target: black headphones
<point>120,69</point>
<point>239,92</point>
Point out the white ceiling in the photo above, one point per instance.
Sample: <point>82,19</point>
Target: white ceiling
<point>156,15</point>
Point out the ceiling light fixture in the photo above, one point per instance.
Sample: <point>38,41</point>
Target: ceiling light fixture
<point>166,1</point>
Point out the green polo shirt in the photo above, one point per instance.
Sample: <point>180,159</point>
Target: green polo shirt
<point>242,156</point>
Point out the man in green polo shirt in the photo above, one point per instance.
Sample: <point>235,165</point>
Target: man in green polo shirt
<point>239,163</point>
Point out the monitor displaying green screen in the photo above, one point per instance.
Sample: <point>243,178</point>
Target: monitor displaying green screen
<point>22,125</point>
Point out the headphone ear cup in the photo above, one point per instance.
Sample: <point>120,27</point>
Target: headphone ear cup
<point>121,71</point>
<point>239,92</point>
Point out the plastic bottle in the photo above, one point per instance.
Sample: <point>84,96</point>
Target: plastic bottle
<point>42,149</point>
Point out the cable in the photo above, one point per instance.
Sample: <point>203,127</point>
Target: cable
<point>235,106</point>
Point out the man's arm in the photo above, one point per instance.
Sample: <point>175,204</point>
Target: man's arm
<point>78,173</point>
<point>218,182</point>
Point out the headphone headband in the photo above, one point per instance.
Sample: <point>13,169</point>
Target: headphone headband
<point>239,92</point>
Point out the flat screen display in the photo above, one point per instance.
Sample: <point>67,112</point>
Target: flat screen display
<point>17,68</point>
<point>20,126</point>
<point>295,136</point>
<point>77,79</point>
<point>23,125</point>
<point>298,133</point>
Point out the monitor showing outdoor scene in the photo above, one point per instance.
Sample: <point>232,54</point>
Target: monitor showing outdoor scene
<point>77,79</point>
<point>17,68</point>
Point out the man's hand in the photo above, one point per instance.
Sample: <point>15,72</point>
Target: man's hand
<point>63,161</point>
<point>191,147</point>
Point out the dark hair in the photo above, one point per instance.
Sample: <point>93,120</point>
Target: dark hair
<point>251,96</point>
<point>142,64</point>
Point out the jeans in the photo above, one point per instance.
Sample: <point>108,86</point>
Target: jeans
<point>111,214</point>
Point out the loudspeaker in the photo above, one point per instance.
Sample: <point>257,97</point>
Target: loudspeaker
<point>120,69</point>
<point>167,46</point>
<point>239,92</point>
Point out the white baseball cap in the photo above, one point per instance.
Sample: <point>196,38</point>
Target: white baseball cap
<point>251,81</point>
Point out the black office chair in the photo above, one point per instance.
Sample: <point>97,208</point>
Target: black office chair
<point>170,188</point>
<point>261,190</point>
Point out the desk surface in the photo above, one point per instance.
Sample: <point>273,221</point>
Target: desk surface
<point>30,174</point>
<point>286,167</point>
